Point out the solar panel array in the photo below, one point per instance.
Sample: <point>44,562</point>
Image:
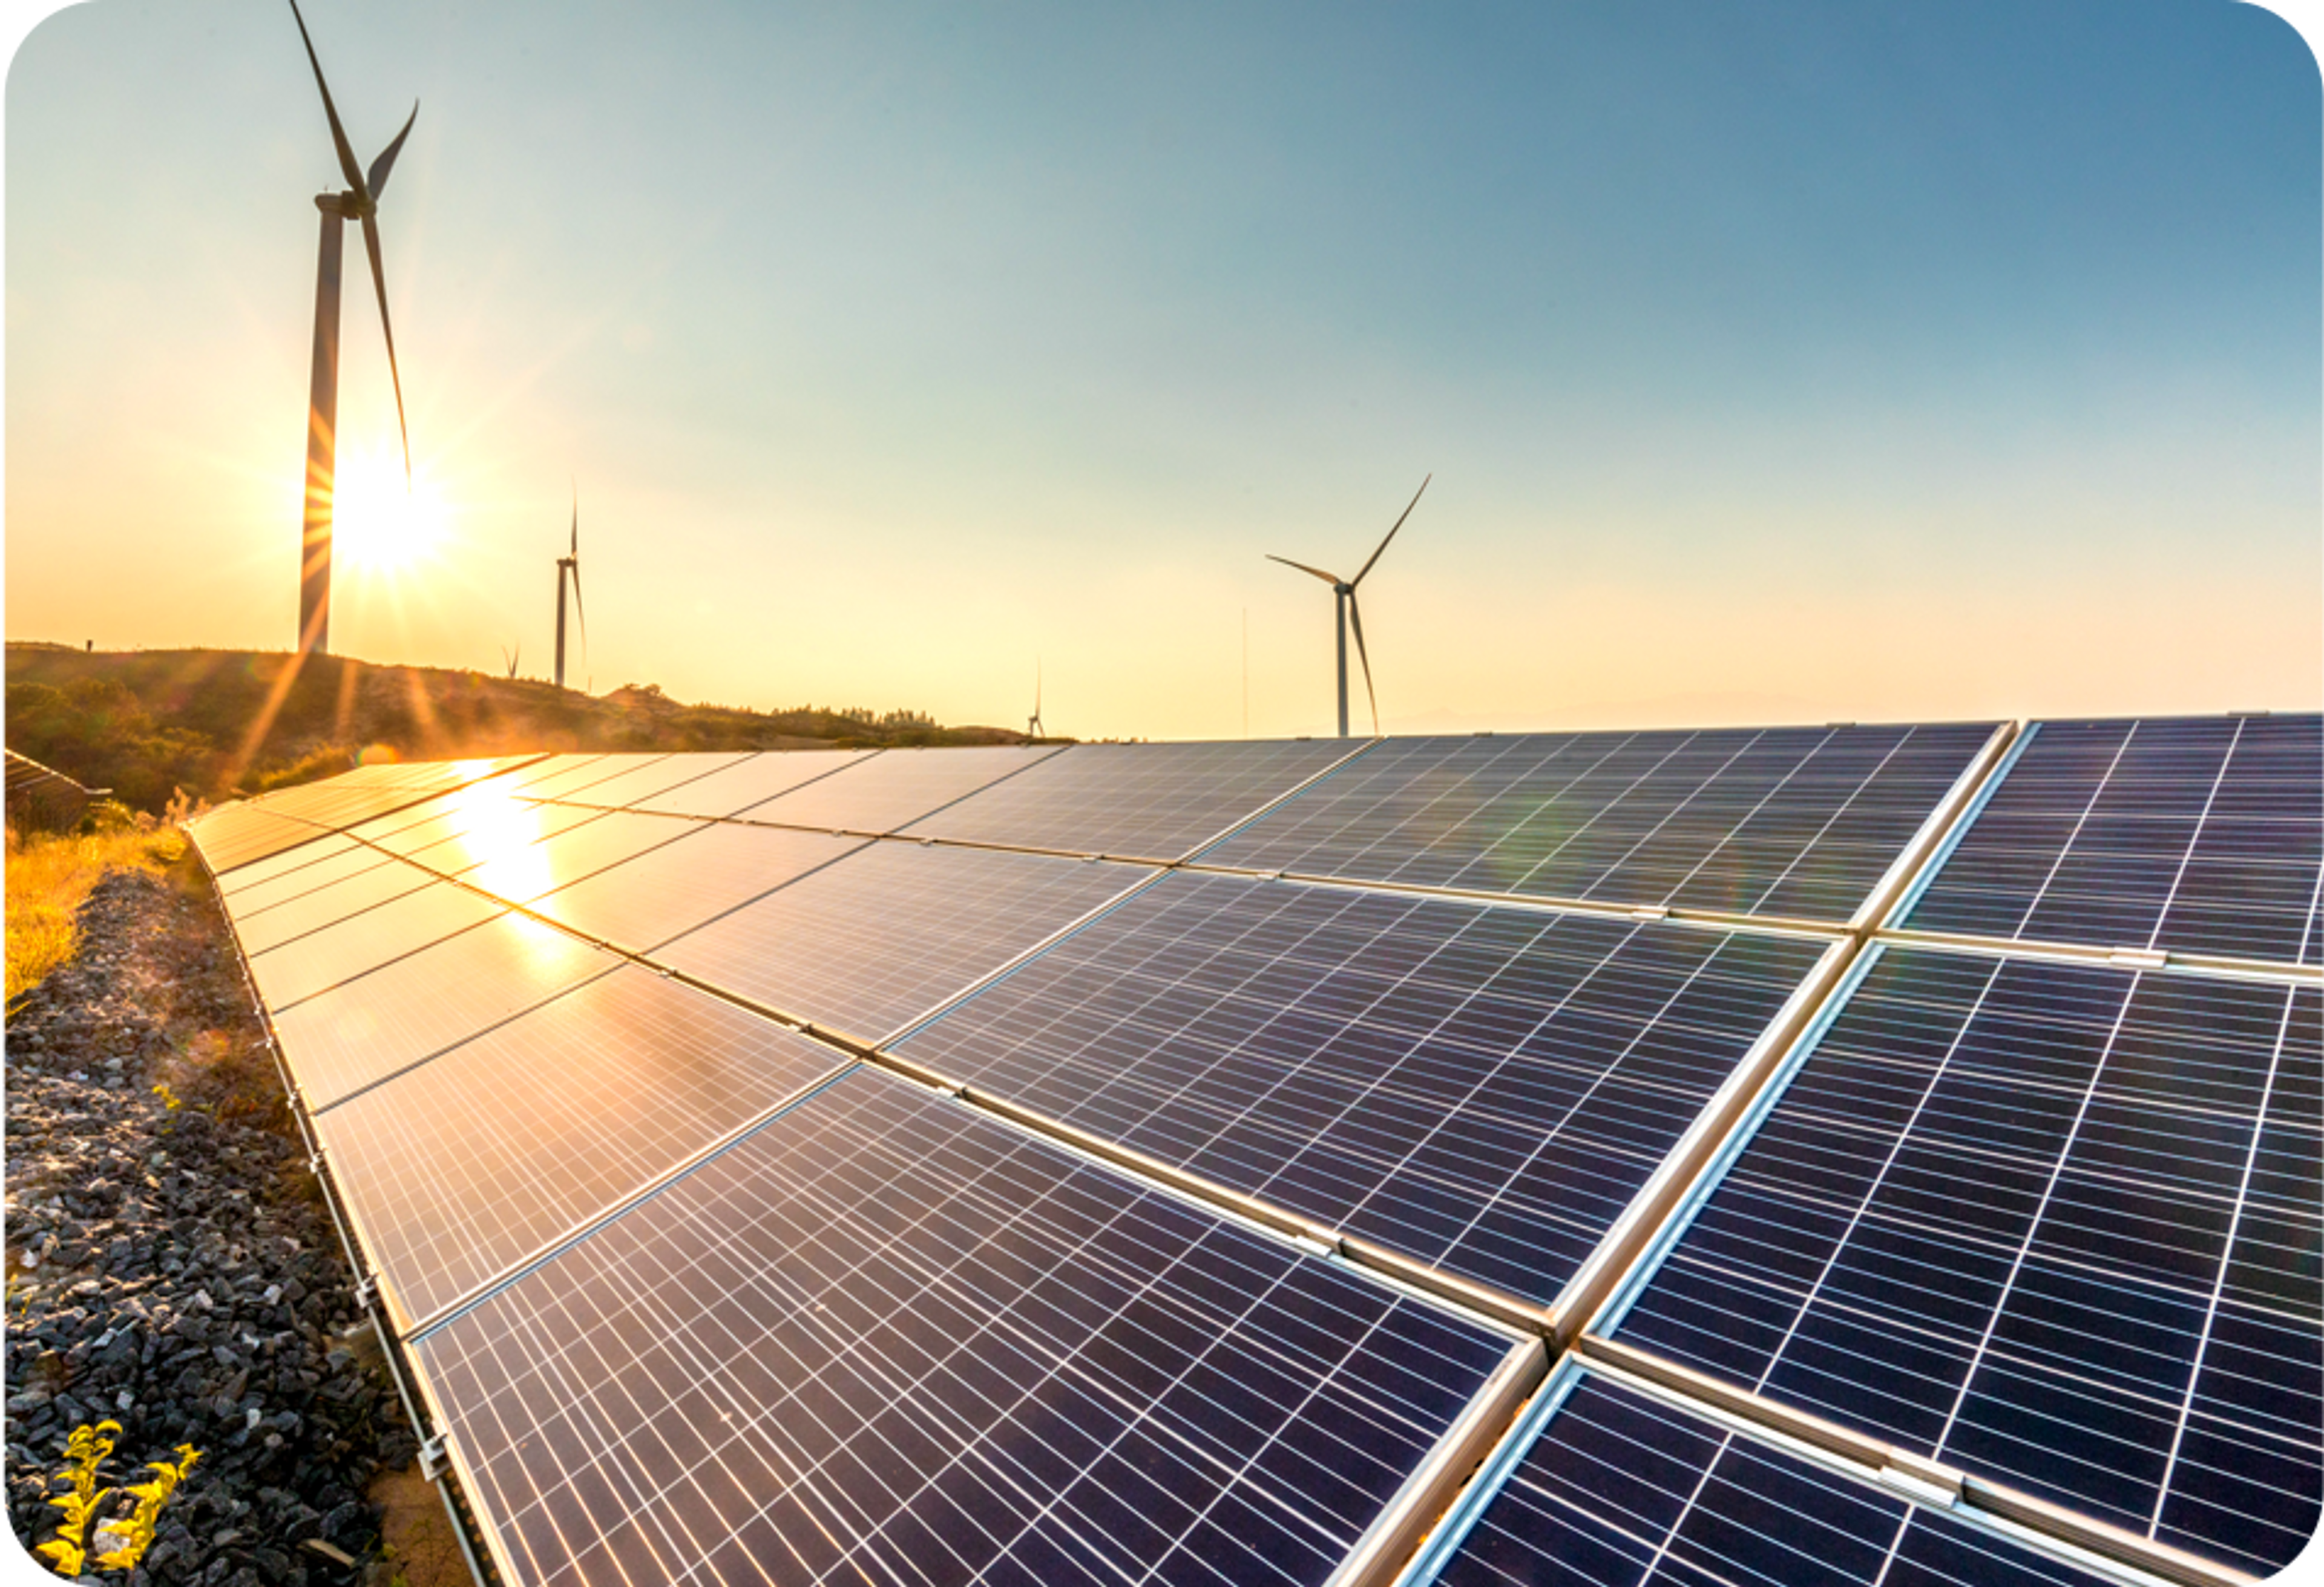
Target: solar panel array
<point>1868,1154</point>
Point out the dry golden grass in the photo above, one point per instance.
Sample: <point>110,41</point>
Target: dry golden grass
<point>48,877</point>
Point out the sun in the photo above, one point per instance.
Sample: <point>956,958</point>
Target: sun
<point>382,527</point>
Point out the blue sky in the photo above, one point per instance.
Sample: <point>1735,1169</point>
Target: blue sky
<point>1774,361</point>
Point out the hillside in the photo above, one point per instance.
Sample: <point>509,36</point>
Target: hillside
<point>220,723</point>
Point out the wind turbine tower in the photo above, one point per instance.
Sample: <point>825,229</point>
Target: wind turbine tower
<point>570,563</point>
<point>1343,592</point>
<point>1033,728</point>
<point>358,202</point>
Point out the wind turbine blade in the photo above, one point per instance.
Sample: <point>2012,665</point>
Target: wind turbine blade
<point>573,547</point>
<point>1356,621</point>
<point>1391,535</point>
<point>379,282</point>
<point>376,180</point>
<point>580,616</point>
<point>1331,578</point>
<point>348,167</point>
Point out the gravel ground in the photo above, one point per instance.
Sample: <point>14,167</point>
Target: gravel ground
<point>175,1270</point>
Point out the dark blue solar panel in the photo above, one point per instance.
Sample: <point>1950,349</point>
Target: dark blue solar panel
<point>885,1338</point>
<point>1621,1490</point>
<point>1779,821</point>
<point>881,935</point>
<point>1484,1088</point>
<point>2192,835</point>
<point>2055,1224</point>
<point>1146,801</point>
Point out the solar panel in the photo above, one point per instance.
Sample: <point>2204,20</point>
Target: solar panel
<point>366,1028</point>
<point>238,834</point>
<point>269,926</point>
<point>580,772</point>
<point>1800,822</point>
<point>1481,1089</point>
<point>868,943</point>
<point>884,1338</point>
<point>506,861</point>
<point>1561,1030</point>
<point>458,1168</point>
<point>2054,1223</point>
<point>322,959</point>
<point>1620,1489</point>
<point>670,891</point>
<point>2197,836</point>
<point>276,873</point>
<point>638,783</point>
<point>754,781</point>
<point>895,788</point>
<point>1144,801</point>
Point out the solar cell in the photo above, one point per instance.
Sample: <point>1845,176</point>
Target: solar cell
<point>871,943</point>
<point>263,928</point>
<point>460,1167</point>
<point>324,958</point>
<point>507,862</point>
<point>1481,1088</point>
<point>1145,801</point>
<point>583,771</point>
<point>672,890</point>
<point>895,788</point>
<point>274,872</point>
<point>2191,835</point>
<point>1622,1490</point>
<point>367,1028</point>
<point>753,781</point>
<point>637,783</point>
<point>1793,822</point>
<point>332,863</point>
<point>480,828</point>
<point>884,1338</point>
<point>238,834</point>
<point>2054,1224</point>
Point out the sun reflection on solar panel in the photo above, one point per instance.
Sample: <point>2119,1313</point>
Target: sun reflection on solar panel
<point>502,841</point>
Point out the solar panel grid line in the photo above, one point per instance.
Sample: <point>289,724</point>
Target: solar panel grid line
<point>413,1389</point>
<point>427,1057</point>
<point>1890,896</point>
<point>936,1275</point>
<point>419,1328</point>
<point>1646,1256</point>
<point>2172,962</point>
<point>1280,801</point>
<point>2196,834</point>
<point>895,828</point>
<point>2179,875</point>
<point>2114,1553</point>
<point>679,768</point>
<point>1667,1193</point>
<point>1383,1553</point>
<point>2105,1355</point>
<point>2219,1284</point>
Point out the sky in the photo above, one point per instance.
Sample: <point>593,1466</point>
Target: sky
<point>1771,362</point>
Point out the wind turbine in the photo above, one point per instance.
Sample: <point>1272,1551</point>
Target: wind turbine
<point>358,202</point>
<point>513,657</point>
<point>570,562</point>
<point>1344,593</point>
<point>1033,728</point>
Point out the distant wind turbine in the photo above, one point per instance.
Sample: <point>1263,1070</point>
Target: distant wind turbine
<point>1344,590</point>
<point>1033,728</point>
<point>511,656</point>
<point>570,562</point>
<point>359,202</point>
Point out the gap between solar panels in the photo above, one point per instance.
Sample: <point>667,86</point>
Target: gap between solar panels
<point>1897,1490</point>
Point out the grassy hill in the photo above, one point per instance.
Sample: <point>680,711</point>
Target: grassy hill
<point>221,723</point>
